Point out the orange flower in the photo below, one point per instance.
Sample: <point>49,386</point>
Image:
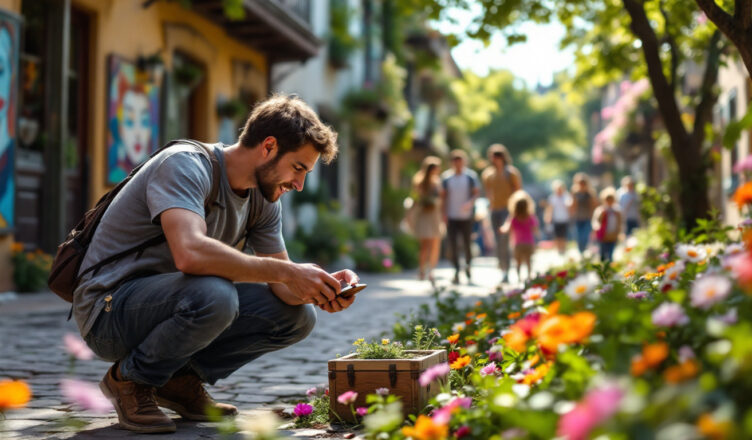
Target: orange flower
<point>538,374</point>
<point>13,394</point>
<point>454,338</point>
<point>713,429</point>
<point>461,362</point>
<point>534,360</point>
<point>426,429</point>
<point>679,373</point>
<point>638,366</point>
<point>654,354</point>
<point>582,324</point>
<point>629,273</point>
<point>468,321</point>
<point>553,331</point>
<point>743,195</point>
<point>553,308</point>
<point>469,314</point>
<point>481,316</point>
<point>516,339</point>
<point>16,247</point>
<point>514,315</point>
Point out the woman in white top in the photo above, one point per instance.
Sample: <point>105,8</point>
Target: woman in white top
<point>557,214</point>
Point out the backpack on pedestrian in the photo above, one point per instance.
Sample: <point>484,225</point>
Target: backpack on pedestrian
<point>64,273</point>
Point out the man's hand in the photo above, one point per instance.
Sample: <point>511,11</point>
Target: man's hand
<point>346,277</point>
<point>312,284</point>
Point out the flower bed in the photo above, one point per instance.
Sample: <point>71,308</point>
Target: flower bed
<point>656,346</point>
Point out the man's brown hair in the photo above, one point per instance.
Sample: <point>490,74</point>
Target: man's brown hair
<point>499,150</point>
<point>293,123</point>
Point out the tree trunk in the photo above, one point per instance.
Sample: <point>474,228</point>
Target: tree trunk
<point>693,188</point>
<point>737,27</point>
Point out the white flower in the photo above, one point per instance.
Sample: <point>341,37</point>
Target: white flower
<point>458,327</point>
<point>260,424</point>
<point>734,249</point>
<point>714,249</point>
<point>692,253</point>
<point>669,314</point>
<point>582,285</point>
<point>672,273</point>
<point>709,290</point>
<point>533,293</point>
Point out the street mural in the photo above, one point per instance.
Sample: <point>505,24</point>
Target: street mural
<point>132,117</point>
<point>9,31</point>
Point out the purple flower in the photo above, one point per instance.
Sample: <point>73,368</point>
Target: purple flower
<point>77,347</point>
<point>495,355</point>
<point>85,395</point>
<point>361,411</point>
<point>729,317</point>
<point>686,353</point>
<point>382,391</point>
<point>669,314</point>
<point>310,392</point>
<point>303,410</point>
<point>433,373</point>
<point>637,295</point>
<point>347,397</point>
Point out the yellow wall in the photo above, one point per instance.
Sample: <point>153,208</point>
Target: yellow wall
<point>125,28</point>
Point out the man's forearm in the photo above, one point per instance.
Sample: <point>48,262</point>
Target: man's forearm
<point>208,256</point>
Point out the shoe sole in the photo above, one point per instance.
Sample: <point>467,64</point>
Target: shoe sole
<point>148,429</point>
<point>184,413</point>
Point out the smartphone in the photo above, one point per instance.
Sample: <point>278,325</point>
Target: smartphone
<point>351,290</point>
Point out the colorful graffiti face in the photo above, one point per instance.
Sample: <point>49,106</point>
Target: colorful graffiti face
<point>133,118</point>
<point>8,63</point>
<point>135,130</point>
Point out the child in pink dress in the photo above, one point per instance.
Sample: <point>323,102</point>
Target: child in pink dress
<point>524,227</point>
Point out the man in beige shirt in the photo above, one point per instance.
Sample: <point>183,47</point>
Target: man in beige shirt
<point>500,180</point>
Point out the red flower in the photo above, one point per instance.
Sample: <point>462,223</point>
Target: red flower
<point>453,356</point>
<point>469,343</point>
<point>463,431</point>
<point>562,274</point>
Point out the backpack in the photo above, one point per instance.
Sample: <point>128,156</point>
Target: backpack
<point>64,273</point>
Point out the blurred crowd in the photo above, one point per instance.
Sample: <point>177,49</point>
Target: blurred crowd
<point>495,215</point>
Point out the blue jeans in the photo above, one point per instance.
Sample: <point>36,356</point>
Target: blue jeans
<point>162,323</point>
<point>498,217</point>
<point>607,250</point>
<point>632,224</point>
<point>584,227</point>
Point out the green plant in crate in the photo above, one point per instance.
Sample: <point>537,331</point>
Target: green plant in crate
<point>406,248</point>
<point>30,268</point>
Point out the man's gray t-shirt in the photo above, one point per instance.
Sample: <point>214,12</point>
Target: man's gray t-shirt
<point>459,190</point>
<point>178,177</point>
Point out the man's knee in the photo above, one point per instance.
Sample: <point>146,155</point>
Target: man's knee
<point>213,297</point>
<point>302,321</point>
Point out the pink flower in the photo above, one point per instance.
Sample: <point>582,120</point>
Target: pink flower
<point>442,416</point>
<point>488,369</point>
<point>347,397</point>
<point>77,347</point>
<point>460,402</point>
<point>729,317</point>
<point>669,314</point>
<point>387,262</point>
<point>709,290</point>
<point>686,353</point>
<point>741,266</point>
<point>85,395</point>
<point>361,410</point>
<point>303,409</point>
<point>637,295</point>
<point>598,405</point>
<point>433,373</point>
<point>310,392</point>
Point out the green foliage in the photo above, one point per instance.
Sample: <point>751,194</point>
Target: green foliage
<point>735,128</point>
<point>375,255</point>
<point>406,249</point>
<point>341,42</point>
<point>384,349</point>
<point>30,269</point>
<point>332,236</point>
<point>392,208</point>
<point>320,415</point>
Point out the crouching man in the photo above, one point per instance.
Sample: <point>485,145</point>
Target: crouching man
<point>192,308</point>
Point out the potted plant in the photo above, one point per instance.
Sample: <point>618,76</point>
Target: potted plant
<point>231,109</point>
<point>384,365</point>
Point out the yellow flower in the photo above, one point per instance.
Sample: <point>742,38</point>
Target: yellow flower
<point>385,341</point>
<point>454,338</point>
<point>13,394</point>
<point>359,341</point>
<point>713,429</point>
<point>461,362</point>
<point>426,429</point>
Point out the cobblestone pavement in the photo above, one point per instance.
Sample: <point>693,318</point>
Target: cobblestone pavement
<point>32,326</point>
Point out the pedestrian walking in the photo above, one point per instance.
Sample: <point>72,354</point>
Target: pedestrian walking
<point>629,203</point>
<point>607,220</point>
<point>500,181</point>
<point>557,214</point>
<point>524,228</point>
<point>460,188</point>
<point>584,202</point>
<point>189,307</point>
<point>427,215</point>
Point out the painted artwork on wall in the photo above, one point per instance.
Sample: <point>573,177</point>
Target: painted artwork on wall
<point>9,35</point>
<point>133,116</point>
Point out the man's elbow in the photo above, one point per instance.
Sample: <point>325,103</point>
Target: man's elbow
<point>188,261</point>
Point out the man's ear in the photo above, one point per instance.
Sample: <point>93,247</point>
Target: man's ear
<point>269,146</point>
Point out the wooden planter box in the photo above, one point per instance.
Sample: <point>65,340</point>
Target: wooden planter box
<point>364,376</point>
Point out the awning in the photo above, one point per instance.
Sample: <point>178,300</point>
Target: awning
<point>280,29</point>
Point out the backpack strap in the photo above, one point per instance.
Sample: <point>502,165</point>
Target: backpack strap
<point>159,239</point>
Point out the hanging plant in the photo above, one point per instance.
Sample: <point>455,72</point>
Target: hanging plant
<point>188,75</point>
<point>231,109</point>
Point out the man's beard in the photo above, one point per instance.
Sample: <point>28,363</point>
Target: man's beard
<point>268,180</point>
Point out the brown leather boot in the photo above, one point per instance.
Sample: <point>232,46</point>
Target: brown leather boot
<point>135,404</point>
<point>186,396</point>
